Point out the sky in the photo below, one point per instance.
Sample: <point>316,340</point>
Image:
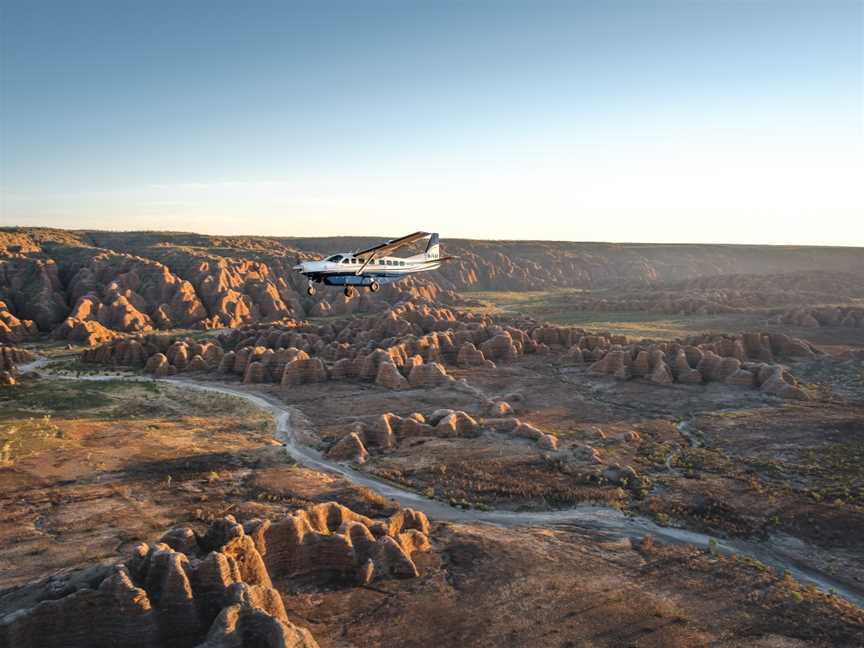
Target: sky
<point>653,121</point>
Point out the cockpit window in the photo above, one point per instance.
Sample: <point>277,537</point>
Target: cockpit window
<point>336,258</point>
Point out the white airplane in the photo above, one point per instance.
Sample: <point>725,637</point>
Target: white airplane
<point>372,267</point>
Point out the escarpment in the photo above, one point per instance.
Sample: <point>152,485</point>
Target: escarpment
<point>214,589</point>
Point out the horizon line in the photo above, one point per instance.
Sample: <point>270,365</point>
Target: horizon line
<point>444,238</point>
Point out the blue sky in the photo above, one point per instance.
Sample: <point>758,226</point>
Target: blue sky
<point>626,121</point>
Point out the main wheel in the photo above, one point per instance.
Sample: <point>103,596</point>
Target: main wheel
<point>310,290</point>
<point>374,286</point>
<point>349,291</point>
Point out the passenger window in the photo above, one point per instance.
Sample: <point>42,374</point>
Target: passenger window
<point>347,261</point>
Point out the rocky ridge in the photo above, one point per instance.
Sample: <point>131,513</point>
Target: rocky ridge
<point>86,286</point>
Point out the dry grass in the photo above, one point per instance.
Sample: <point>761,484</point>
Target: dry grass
<point>556,306</point>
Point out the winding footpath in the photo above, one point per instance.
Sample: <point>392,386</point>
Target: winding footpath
<point>600,520</point>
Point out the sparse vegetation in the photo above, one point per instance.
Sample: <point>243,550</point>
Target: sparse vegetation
<point>555,306</point>
<point>27,436</point>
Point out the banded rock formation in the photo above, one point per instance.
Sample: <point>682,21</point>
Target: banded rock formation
<point>747,360</point>
<point>214,590</point>
<point>13,329</point>
<point>388,430</point>
<point>32,290</point>
<point>155,351</point>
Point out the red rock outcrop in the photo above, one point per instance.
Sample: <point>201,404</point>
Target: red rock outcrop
<point>500,348</point>
<point>158,354</point>
<point>349,448</point>
<point>470,356</point>
<point>388,430</point>
<point>14,330</point>
<point>161,597</point>
<point>215,589</point>
<point>89,333</point>
<point>513,426</point>
<point>303,369</point>
<point>388,376</point>
<point>745,360</point>
<point>10,358</point>
<point>31,287</point>
<point>428,375</point>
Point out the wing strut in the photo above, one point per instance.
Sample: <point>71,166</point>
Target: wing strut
<point>365,263</point>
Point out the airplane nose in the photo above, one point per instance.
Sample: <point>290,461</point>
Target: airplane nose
<point>299,266</point>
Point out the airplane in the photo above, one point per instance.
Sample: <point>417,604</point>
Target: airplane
<point>372,267</point>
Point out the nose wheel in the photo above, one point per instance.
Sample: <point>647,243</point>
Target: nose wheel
<point>374,286</point>
<point>310,289</point>
<point>349,291</point>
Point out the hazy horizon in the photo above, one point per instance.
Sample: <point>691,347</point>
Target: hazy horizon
<point>382,237</point>
<point>655,122</point>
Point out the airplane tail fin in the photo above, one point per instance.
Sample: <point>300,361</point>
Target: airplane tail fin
<point>433,248</point>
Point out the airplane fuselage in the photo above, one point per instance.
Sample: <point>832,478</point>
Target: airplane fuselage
<point>342,269</point>
<point>372,267</point>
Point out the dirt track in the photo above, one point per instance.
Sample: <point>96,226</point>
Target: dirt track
<point>608,522</point>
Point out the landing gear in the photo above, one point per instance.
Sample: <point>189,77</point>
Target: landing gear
<point>374,286</point>
<point>310,289</point>
<point>349,291</point>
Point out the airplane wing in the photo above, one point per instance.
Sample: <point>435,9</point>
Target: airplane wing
<point>391,246</point>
